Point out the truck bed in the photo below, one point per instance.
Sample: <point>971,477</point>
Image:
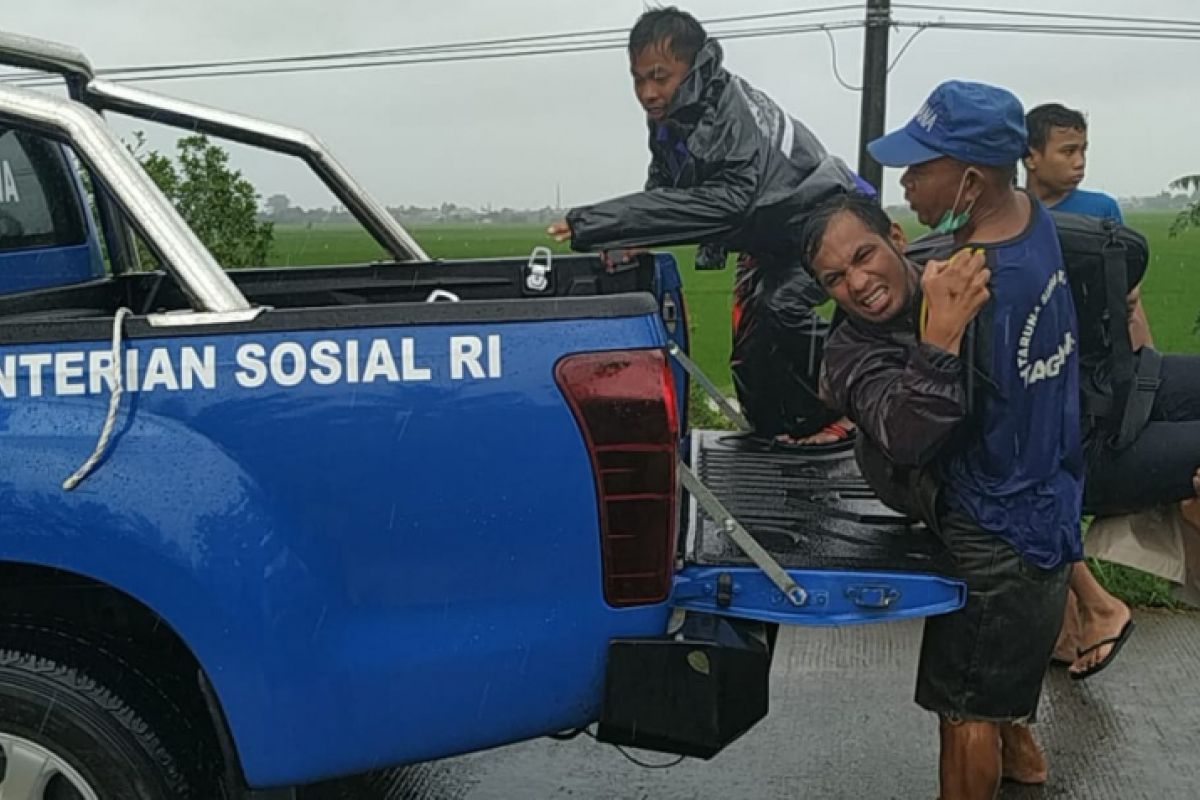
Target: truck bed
<point>809,510</point>
<point>334,287</point>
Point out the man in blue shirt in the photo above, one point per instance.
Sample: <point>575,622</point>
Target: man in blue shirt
<point>1054,168</point>
<point>1095,621</point>
<point>964,382</point>
<point>1057,159</point>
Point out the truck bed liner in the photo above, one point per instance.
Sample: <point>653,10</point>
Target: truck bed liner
<point>810,511</point>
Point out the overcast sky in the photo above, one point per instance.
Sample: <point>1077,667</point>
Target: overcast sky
<point>508,132</point>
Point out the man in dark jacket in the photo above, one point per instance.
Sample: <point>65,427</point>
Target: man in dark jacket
<point>964,382</point>
<point>729,170</point>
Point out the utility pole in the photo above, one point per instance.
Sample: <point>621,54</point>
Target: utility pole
<point>873,115</point>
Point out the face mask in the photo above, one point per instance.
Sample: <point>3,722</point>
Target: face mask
<point>951,222</point>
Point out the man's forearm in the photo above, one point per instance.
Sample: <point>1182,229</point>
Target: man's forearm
<point>1139,326</point>
<point>944,337</point>
<point>660,217</point>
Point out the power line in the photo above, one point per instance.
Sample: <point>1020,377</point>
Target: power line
<point>478,44</point>
<point>833,59</point>
<point>38,81</point>
<point>908,43</point>
<point>615,38</point>
<point>559,40</point>
<point>1045,14</point>
<point>1154,33</point>
<point>895,60</point>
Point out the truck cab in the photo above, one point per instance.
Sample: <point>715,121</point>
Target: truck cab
<point>47,237</point>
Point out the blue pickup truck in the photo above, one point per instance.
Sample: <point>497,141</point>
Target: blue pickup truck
<point>265,527</point>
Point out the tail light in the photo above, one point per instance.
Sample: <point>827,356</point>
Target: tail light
<point>624,401</point>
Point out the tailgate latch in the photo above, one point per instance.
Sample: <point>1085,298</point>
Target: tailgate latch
<point>873,596</point>
<point>724,590</point>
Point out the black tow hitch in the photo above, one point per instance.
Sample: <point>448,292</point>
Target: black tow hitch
<point>692,693</point>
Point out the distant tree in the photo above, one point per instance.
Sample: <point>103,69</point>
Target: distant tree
<point>215,200</point>
<point>1189,217</point>
<point>278,205</point>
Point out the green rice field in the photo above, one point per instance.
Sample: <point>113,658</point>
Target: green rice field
<point>1171,293</point>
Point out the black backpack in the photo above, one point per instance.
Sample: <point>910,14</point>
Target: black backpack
<point>1105,261</point>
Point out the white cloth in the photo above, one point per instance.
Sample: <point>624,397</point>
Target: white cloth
<point>1157,541</point>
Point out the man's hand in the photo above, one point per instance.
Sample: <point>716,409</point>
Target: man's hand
<point>1139,325</point>
<point>561,231</point>
<point>954,290</point>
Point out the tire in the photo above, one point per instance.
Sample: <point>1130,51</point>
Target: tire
<point>87,743</point>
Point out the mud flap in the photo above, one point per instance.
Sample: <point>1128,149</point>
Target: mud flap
<point>691,693</point>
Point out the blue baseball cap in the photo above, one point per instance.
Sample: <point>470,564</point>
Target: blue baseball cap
<point>973,122</point>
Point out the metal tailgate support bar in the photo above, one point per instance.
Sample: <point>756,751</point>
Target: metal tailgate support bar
<point>741,537</point>
<point>710,388</point>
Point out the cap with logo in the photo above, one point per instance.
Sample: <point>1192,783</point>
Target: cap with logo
<point>973,122</point>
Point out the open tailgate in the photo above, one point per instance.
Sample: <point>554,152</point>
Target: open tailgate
<point>852,559</point>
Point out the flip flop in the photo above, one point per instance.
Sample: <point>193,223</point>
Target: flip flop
<point>1117,643</point>
<point>845,438</point>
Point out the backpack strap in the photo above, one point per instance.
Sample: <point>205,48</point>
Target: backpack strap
<point>1135,378</point>
<point>1116,287</point>
<point>1141,397</point>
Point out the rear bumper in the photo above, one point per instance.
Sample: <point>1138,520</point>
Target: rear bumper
<point>692,693</point>
<point>831,597</point>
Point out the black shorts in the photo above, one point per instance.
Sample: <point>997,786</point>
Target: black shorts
<point>1158,467</point>
<point>986,661</point>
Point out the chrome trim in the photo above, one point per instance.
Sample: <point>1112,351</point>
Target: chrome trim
<point>154,107</point>
<point>183,255</point>
<point>196,319</point>
<point>29,52</point>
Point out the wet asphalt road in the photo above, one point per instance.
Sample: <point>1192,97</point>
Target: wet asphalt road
<point>843,725</point>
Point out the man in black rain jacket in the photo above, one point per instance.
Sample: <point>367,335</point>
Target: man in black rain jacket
<point>729,170</point>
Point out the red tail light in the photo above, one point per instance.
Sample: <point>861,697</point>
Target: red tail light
<point>624,401</point>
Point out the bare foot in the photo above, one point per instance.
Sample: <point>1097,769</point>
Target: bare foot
<point>1190,509</point>
<point>1066,649</point>
<point>833,432</point>
<point>1097,624</point>
<point>1021,759</point>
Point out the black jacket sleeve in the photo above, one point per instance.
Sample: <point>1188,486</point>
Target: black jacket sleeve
<point>908,399</point>
<point>667,215</point>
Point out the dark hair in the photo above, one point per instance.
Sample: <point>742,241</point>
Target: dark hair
<point>863,206</point>
<point>1040,120</point>
<point>678,31</point>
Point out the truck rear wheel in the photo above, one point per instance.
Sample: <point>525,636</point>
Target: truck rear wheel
<point>66,736</point>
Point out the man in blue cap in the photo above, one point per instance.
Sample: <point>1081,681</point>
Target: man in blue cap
<point>964,382</point>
